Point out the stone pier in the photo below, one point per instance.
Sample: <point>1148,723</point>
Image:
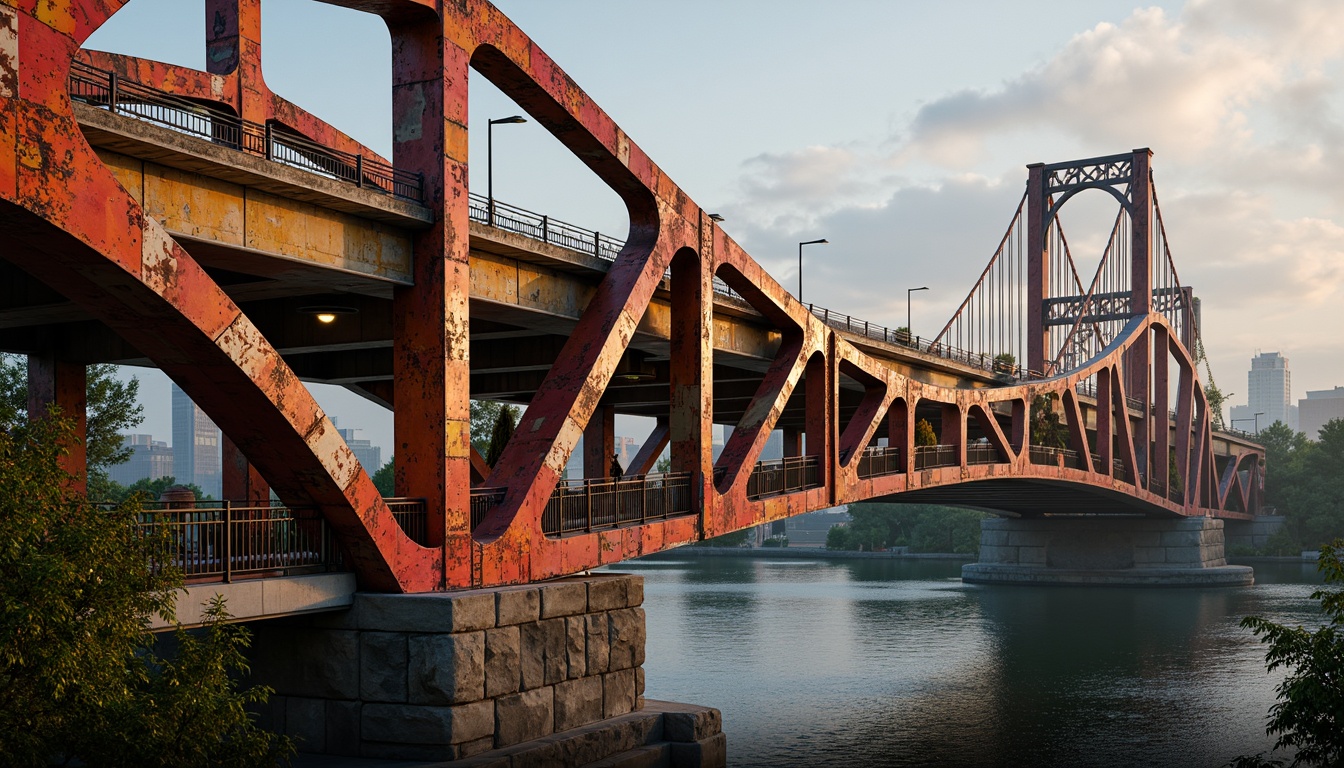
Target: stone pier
<point>541,674</point>
<point>1080,550</point>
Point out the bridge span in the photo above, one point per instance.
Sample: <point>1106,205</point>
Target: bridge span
<point>197,222</point>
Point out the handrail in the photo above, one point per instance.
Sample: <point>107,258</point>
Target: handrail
<point>127,98</point>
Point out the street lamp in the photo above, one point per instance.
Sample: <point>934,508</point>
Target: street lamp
<point>908,330</point>
<point>1257,421</point>
<point>490,159</point>
<point>822,241</point>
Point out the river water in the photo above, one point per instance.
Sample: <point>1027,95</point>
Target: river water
<point>897,663</point>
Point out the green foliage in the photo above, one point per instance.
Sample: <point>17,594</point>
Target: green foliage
<point>168,722</point>
<point>1047,429</point>
<point>1304,481</point>
<point>1005,362</point>
<point>111,408</point>
<point>385,478</point>
<point>79,680</point>
<point>500,433</point>
<point>922,527</point>
<point>484,414</point>
<point>924,434</point>
<point>150,489</point>
<point>776,541</point>
<point>1216,400</point>
<point>1311,697</point>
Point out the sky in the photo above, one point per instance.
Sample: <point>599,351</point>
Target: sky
<point>900,132</point>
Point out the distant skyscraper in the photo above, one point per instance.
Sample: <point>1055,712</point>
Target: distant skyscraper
<point>1270,390</point>
<point>150,460</point>
<point>369,455</point>
<point>1319,407</point>
<point>196,457</point>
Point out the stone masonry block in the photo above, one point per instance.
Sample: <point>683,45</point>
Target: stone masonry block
<point>578,702</point>
<point>576,646</point>
<point>555,661</point>
<point>993,538</point>
<point>473,748</point>
<point>434,612</point>
<point>313,663</point>
<point>306,723</point>
<point>446,669</point>
<point>382,666</point>
<point>532,655</point>
<point>606,594</point>
<point>413,724</point>
<point>618,693</point>
<point>563,598</point>
<point>518,605</point>
<point>693,725</point>
<point>524,716</point>
<point>1031,555</point>
<point>639,681</point>
<point>1183,555</point>
<point>503,673</point>
<point>343,728</point>
<point>1150,555</point>
<point>706,753</point>
<point>598,643</point>
<point>1180,539</point>
<point>627,636</point>
<point>634,590</point>
<point>995,554</point>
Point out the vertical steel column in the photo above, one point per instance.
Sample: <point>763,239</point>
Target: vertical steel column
<point>901,432</point>
<point>952,430</point>
<point>819,405</point>
<point>599,442</point>
<point>1160,461</point>
<point>1138,360</point>
<point>1038,268</point>
<point>240,480</point>
<point>64,385</point>
<point>432,419</point>
<point>691,370</point>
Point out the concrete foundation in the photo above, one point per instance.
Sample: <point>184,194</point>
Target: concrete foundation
<point>549,673</point>
<point>1253,534</point>
<point>1102,550</point>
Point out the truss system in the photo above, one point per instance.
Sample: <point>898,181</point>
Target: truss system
<point>1139,437</point>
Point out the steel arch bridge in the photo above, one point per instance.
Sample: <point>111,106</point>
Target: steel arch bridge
<point>1104,414</point>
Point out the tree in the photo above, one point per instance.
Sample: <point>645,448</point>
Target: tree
<point>500,433</point>
<point>924,434</point>
<point>385,478</point>
<point>150,488</point>
<point>80,680</point>
<point>1046,427</point>
<point>663,466</point>
<point>484,414</point>
<point>111,408</point>
<point>1311,698</point>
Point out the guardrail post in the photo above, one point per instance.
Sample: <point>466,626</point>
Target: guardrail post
<point>112,88</point>
<point>545,229</point>
<point>588,502</point>
<point>359,170</point>
<point>597,244</point>
<point>270,138</point>
<point>228,541</point>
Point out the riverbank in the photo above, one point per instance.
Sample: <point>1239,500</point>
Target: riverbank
<point>810,553</point>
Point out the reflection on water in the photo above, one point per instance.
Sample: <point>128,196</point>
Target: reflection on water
<point>899,663</point>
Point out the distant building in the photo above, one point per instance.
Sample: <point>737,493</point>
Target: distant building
<point>370,456</point>
<point>1269,393</point>
<point>150,460</point>
<point>196,450</point>
<point>628,449</point>
<point>1318,408</point>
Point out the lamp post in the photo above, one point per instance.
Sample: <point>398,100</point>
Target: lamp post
<point>821,241</point>
<point>908,330</point>
<point>490,160</point>
<point>1257,421</point>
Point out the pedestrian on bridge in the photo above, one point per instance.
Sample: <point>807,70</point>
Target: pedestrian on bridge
<point>616,471</point>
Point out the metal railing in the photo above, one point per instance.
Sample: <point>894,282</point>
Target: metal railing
<point>982,453</point>
<point>877,461</point>
<point>219,540</point>
<point>101,88</point>
<point>482,501</point>
<point>787,475</point>
<point>1062,457</point>
<point>583,506</point>
<point>930,456</point>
